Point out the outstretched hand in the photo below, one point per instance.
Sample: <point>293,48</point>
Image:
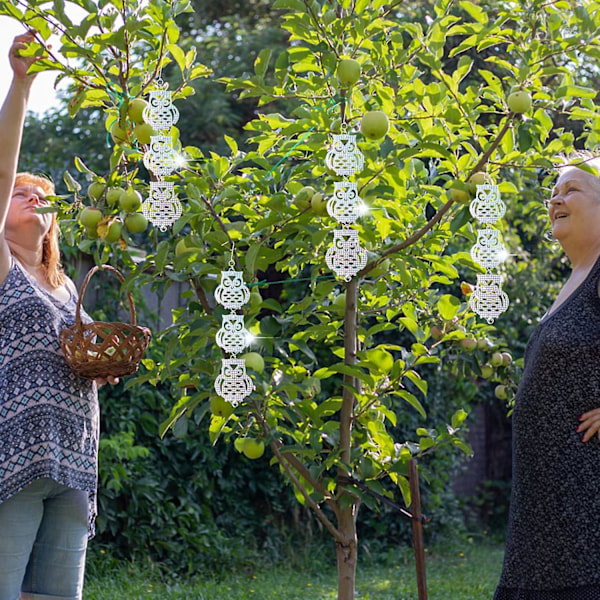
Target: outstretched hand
<point>20,64</point>
<point>590,425</point>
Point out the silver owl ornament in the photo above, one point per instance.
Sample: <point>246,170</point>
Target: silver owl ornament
<point>345,205</point>
<point>160,112</point>
<point>488,251</point>
<point>343,156</point>
<point>232,292</point>
<point>488,299</point>
<point>233,383</point>
<point>162,208</point>
<point>345,256</point>
<point>233,335</point>
<point>487,206</point>
<point>161,157</point>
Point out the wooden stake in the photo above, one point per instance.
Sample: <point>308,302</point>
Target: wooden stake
<point>417,522</point>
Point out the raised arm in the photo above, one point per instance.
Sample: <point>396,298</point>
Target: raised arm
<point>12,117</point>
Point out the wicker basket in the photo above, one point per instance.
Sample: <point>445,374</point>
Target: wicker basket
<point>100,349</point>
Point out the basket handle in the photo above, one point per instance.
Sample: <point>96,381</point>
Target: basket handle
<point>91,272</point>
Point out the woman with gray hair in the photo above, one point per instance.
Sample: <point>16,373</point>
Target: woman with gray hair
<point>553,542</point>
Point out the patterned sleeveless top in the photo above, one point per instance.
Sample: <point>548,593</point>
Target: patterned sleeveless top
<point>553,540</point>
<point>49,417</point>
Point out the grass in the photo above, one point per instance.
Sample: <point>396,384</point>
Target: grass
<point>461,570</point>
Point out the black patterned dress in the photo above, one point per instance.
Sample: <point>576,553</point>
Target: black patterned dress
<point>49,417</point>
<point>553,542</point>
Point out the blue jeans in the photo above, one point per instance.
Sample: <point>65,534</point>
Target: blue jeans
<point>43,541</point>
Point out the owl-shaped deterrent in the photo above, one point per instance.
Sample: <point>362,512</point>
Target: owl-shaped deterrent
<point>488,299</point>
<point>343,156</point>
<point>233,384</point>
<point>233,336</point>
<point>345,256</point>
<point>160,113</point>
<point>489,249</point>
<point>232,292</point>
<point>162,208</point>
<point>161,158</point>
<point>487,206</point>
<point>345,205</point>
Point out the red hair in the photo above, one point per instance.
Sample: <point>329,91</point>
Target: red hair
<point>51,266</point>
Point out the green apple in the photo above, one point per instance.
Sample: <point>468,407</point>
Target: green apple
<point>130,200</point>
<point>143,133</point>
<point>253,449</point>
<point>118,134</point>
<point>348,72</point>
<point>95,190</point>
<point>501,392</point>
<point>506,359</point>
<point>487,371</point>
<point>254,361</point>
<point>519,102</point>
<point>304,196</point>
<point>220,407</point>
<point>135,110</point>
<point>374,125</point>
<point>340,301</point>
<point>136,222</point>
<point>239,444</point>
<point>113,232</point>
<point>318,204</point>
<point>113,195</point>
<point>484,343</point>
<point>436,333</point>
<point>468,344</point>
<point>90,216</point>
<point>459,194</point>
<point>91,232</point>
<point>479,178</point>
<point>496,359</point>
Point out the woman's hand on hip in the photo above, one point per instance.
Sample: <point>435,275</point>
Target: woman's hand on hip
<point>589,425</point>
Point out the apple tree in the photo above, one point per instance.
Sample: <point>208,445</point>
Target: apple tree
<point>441,97</point>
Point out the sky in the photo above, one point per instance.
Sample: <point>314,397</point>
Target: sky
<point>43,95</point>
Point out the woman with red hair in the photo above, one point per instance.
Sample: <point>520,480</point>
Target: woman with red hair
<point>48,415</point>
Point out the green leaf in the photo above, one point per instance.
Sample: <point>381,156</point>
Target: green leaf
<point>179,55</point>
<point>261,64</point>
<point>458,418</point>
<point>448,306</point>
<point>412,400</point>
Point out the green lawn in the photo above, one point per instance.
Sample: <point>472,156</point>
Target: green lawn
<point>464,570</point>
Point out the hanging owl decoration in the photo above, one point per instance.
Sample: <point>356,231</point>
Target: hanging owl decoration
<point>488,299</point>
<point>233,384</point>
<point>345,257</point>
<point>161,208</point>
<point>344,157</point>
<point>345,205</point>
<point>233,336</point>
<point>232,292</point>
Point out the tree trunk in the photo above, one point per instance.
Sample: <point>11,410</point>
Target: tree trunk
<point>347,553</point>
<point>347,550</point>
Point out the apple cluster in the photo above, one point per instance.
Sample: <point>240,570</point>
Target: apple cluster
<point>113,204</point>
